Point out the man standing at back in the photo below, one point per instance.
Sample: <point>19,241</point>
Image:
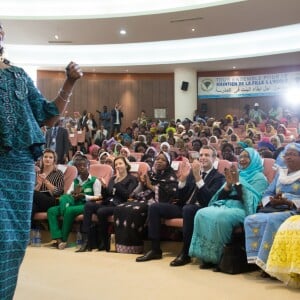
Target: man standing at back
<point>105,118</point>
<point>57,139</point>
<point>256,114</point>
<point>116,115</point>
<point>196,187</point>
<point>82,121</point>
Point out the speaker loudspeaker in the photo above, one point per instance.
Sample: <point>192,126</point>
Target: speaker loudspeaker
<point>184,85</point>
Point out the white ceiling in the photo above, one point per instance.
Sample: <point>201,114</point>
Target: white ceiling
<point>211,21</point>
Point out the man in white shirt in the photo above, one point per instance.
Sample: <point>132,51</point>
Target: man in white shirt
<point>116,115</point>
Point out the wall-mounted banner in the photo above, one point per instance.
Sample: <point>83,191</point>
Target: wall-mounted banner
<point>247,86</point>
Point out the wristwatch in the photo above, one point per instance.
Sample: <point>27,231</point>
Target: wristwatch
<point>237,183</point>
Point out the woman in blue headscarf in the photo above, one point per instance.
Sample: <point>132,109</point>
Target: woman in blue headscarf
<point>236,199</point>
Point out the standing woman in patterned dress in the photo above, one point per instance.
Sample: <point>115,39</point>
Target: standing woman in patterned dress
<point>23,111</point>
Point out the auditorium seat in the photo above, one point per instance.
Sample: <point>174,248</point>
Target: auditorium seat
<point>101,171</point>
<point>139,168</point>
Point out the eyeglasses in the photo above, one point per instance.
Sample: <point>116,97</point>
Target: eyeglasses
<point>291,154</point>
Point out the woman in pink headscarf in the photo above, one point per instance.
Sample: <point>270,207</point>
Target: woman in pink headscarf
<point>93,151</point>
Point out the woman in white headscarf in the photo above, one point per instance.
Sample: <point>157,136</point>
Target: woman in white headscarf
<point>165,147</point>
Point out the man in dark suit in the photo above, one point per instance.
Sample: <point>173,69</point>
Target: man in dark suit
<point>196,187</point>
<point>57,139</point>
<point>82,121</point>
<point>116,119</point>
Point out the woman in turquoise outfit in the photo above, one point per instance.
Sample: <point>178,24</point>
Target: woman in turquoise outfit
<point>236,199</point>
<point>23,111</point>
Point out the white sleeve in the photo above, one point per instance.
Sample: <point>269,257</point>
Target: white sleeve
<point>96,189</point>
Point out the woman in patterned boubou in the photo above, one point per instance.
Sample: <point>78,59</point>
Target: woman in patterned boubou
<point>158,185</point>
<point>23,111</point>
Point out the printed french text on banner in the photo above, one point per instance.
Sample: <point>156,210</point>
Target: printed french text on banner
<point>247,86</point>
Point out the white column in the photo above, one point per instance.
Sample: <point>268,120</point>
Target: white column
<point>185,102</point>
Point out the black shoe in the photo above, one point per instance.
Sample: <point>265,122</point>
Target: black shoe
<point>216,269</point>
<point>104,245</point>
<point>206,265</point>
<point>84,247</point>
<point>149,256</point>
<point>180,260</point>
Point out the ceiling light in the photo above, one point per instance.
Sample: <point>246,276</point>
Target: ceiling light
<point>123,31</point>
<point>234,67</point>
<point>56,37</point>
<point>193,29</point>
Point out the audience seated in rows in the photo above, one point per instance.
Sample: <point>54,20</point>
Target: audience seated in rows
<point>181,140</point>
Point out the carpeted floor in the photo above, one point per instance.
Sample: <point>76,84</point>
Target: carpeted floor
<point>65,275</point>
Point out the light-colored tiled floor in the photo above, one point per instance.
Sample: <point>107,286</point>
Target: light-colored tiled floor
<point>66,275</point>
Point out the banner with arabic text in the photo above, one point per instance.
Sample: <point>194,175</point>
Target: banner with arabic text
<point>247,86</point>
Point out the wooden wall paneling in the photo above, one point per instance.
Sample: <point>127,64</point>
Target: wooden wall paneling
<point>128,102</point>
<point>135,92</point>
<point>137,104</point>
<point>93,98</point>
<point>84,102</point>
<point>147,95</point>
<point>103,93</point>
<point>152,99</point>
<point>113,92</point>
<point>170,98</point>
<point>140,98</point>
<point>155,98</point>
<point>163,98</point>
